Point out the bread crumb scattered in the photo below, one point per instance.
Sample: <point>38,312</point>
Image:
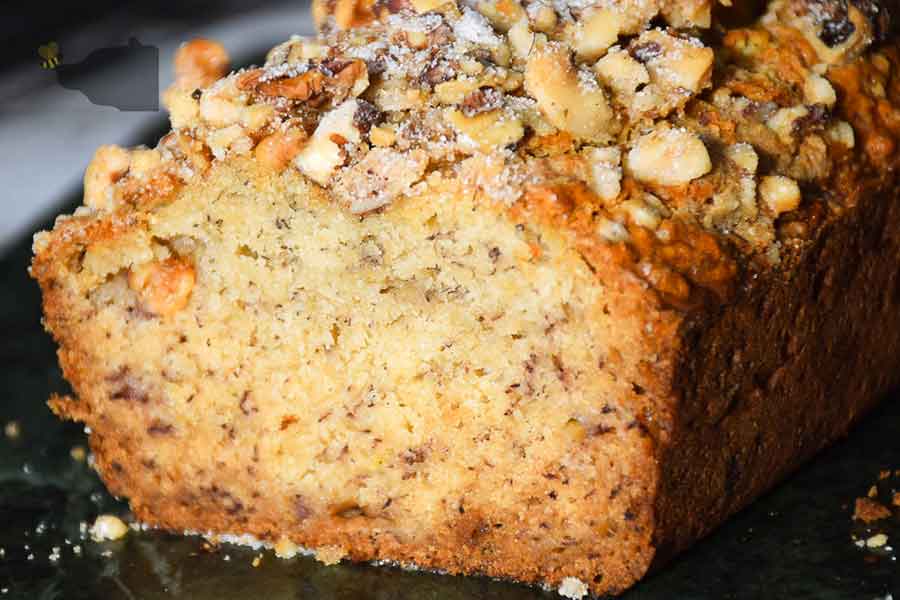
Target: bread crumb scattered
<point>108,527</point>
<point>78,453</point>
<point>330,555</point>
<point>877,541</point>
<point>572,587</point>
<point>285,548</point>
<point>12,430</point>
<point>256,560</point>
<point>868,510</point>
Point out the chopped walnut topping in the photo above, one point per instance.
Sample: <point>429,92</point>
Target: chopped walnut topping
<point>612,231</point>
<point>782,122</point>
<point>677,68</point>
<point>842,133</point>
<point>380,177</point>
<point>277,150</point>
<point>109,164</point>
<point>144,162</point>
<point>819,90</point>
<point>780,194</point>
<point>324,153</point>
<point>606,171</point>
<point>504,93</point>
<point>521,39</point>
<point>744,156</point>
<point>199,63</point>
<point>595,32</point>
<point>668,157</point>
<point>568,99</point>
<point>486,131</point>
<point>837,30</point>
<point>621,72</point>
<point>383,135</point>
<point>643,212</point>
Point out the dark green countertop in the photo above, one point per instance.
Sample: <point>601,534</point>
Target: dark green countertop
<point>793,543</point>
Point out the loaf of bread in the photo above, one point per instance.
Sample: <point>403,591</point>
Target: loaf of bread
<point>537,291</point>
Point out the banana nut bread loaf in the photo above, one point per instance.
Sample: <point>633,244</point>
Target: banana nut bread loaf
<point>543,291</point>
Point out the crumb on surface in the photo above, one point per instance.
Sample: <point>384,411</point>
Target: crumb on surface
<point>572,587</point>
<point>108,527</point>
<point>285,548</point>
<point>12,430</point>
<point>78,453</point>
<point>330,555</point>
<point>868,510</point>
<point>877,541</point>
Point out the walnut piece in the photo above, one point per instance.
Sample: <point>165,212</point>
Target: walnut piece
<point>595,32</point>
<point>571,101</point>
<point>488,130</point>
<point>110,163</point>
<point>163,287</point>
<point>780,194</point>
<point>199,63</point>
<point>606,171</point>
<point>380,177</point>
<point>322,156</point>
<point>277,150</point>
<point>668,157</point>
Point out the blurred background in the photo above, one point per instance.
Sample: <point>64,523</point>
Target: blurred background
<point>90,74</point>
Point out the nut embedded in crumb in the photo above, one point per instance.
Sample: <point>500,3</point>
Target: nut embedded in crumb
<point>108,527</point>
<point>868,510</point>
<point>164,287</point>
<point>330,555</point>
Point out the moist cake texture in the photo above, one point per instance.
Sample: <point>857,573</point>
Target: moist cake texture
<point>537,291</point>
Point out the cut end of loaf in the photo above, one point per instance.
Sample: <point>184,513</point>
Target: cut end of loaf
<point>439,384</point>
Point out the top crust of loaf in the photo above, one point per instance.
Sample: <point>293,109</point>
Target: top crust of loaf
<point>687,164</point>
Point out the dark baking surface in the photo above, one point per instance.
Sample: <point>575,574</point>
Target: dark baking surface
<point>796,542</point>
